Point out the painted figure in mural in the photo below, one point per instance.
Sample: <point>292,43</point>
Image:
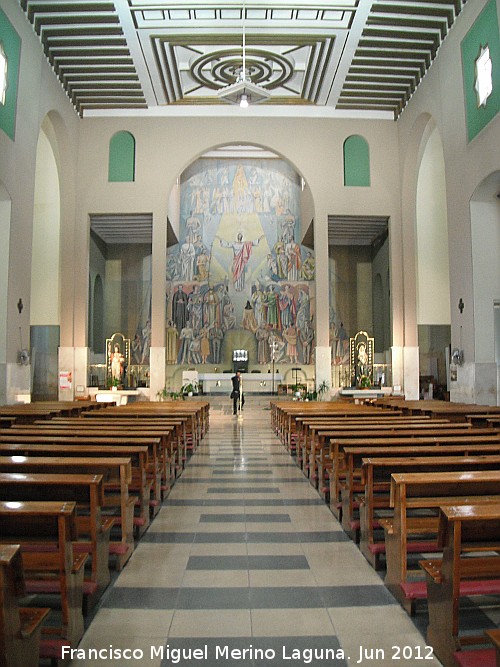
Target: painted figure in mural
<point>216,336</point>
<point>290,336</point>
<point>136,349</point>
<point>303,309</point>
<point>186,336</point>
<point>187,257</point>
<point>146,342</point>
<point>342,344</point>
<point>242,251</point>
<point>273,267</point>
<point>288,227</point>
<point>306,337</point>
<point>272,308</point>
<point>248,321</point>
<point>262,336</point>
<point>193,226</point>
<point>240,190</point>
<point>210,310</point>
<point>204,346</point>
<point>179,308</point>
<point>286,304</point>
<point>172,336</point>
<point>195,350</point>
<point>281,260</point>
<point>229,317</point>
<point>195,308</point>
<point>202,261</point>
<point>258,299</point>
<point>308,267</point>
<point>294,260</point>
<point>117,364</point>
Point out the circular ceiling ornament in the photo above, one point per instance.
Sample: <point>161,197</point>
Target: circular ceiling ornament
<point>218,69</point>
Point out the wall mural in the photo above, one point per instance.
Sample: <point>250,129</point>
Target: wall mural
<point>238,275</point>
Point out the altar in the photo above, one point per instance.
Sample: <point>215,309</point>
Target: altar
<point>253,383</point>
<point>118,396</point>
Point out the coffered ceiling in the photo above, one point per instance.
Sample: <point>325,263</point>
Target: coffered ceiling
<point>351,57</point>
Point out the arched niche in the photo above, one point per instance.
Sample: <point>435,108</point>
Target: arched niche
<point>432,261</point>
<point>224,193</point>
<point>356,153</point>
<point>121,166</point>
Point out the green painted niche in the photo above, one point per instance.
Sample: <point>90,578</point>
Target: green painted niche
<point>121,158</point>
<point>356,161</point>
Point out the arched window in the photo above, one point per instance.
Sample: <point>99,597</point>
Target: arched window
<point>121,158</point>
<point>356,161</point>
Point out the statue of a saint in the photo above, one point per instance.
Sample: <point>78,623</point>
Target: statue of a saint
<point>117,364</point>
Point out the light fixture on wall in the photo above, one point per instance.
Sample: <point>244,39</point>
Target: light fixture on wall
<point>243,92</point>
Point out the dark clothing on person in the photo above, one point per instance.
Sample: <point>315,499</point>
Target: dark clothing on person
<point>235,394</point>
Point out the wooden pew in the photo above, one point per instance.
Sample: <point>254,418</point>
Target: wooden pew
<point>155,441</point>
<point>494,637</point>
<point>378,467</point>
<point>320,445</point>
<point>416,498</point>
<point>87,491</point>
<point>337,445</point>
<point>33,525</point>
<point>20,627</point>
<point>288,413</point>
<point>138,449</point>
<point>171,431</point>
<point>114,469</point>
<point>197,411</point>
<point>464,531</point>
<point>303,423</point>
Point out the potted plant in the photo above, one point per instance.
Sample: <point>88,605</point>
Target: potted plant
<point>190,388</point>
<point>113,384</point>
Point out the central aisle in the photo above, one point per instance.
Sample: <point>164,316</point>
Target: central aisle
<point>245,555</point>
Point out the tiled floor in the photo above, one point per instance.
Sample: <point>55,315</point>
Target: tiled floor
<point>245,565</point>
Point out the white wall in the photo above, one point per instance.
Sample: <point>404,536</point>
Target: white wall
<point>486,245</point>
<point>45,297</point>
<point>433,271</point>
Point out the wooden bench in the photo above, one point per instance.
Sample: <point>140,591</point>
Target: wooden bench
<point>416,498</point>
<point>170,431</point>
<point>286,412</point>
<point>146,472</point>
<point>34,525</point>
<point>337,446</point>
<point>464,531</point>
<point>304,424</point>
<point>376,476</point>
<point>87,491</point>
<point>196,411</point>
<point>316,434</point>
<point>20,627</point>
<point>117,470</point>
<point>320,445</point>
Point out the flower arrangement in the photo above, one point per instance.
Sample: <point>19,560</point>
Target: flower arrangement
<point>364,382</point>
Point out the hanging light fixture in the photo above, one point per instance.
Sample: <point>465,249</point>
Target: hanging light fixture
<point>243,92</point>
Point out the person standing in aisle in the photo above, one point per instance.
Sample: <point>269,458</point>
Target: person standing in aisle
<point>237,393</point>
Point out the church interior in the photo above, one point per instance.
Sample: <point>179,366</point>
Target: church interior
<point>306,193</point>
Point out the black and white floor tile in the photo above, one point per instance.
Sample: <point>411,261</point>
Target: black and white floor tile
<point>245,565</point>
